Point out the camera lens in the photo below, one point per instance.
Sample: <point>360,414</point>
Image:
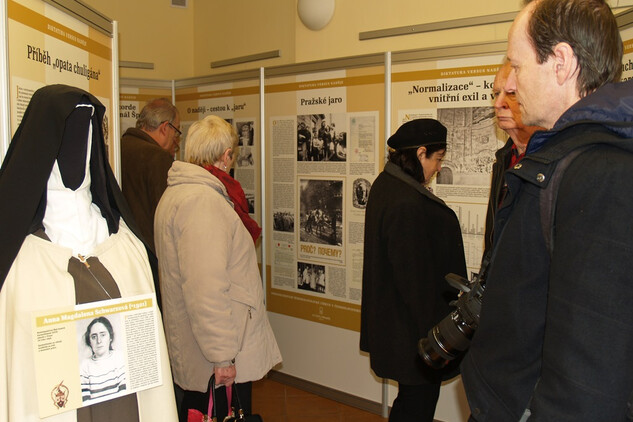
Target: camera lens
<point>428,352</point>
<point>445,341</point>
<point>451,336</point>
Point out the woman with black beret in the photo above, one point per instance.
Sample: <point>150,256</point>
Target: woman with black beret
<point>412,240</point>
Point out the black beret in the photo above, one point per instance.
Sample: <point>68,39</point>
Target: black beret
<point>417,133</point>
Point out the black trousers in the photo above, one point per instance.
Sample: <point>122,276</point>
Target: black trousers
<point>415,403</point>
<point>200,401</point>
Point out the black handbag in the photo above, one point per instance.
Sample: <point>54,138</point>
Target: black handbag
<point>236,414</point>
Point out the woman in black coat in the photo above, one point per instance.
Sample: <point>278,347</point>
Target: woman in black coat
<point>412,240</point>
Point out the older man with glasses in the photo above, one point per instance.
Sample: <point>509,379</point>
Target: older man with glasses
<point>147,153</point>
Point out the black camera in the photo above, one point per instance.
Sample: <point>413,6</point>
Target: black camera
<point>451,336</point>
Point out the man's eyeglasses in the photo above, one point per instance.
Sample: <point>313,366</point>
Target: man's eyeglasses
<point>173,127</point>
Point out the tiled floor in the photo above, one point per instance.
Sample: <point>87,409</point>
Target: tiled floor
<point>276,402</point>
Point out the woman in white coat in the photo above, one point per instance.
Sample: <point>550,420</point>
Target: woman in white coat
<point>213,301</point>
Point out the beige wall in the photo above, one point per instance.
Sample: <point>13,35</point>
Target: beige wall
<point>226,29</point>
<point>152,31</point>
<point>183,42</point>
<point>340,37</point>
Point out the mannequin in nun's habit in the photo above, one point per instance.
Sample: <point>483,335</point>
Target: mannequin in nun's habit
<point>67,238</point>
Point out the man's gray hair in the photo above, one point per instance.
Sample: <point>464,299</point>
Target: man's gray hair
<point>156,112</point>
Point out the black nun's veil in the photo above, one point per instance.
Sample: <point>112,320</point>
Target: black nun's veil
<point>43,137</point>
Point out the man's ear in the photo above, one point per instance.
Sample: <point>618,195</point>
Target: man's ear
<point>421,152</point>
<point>162,128</point>
<point>565,62</point>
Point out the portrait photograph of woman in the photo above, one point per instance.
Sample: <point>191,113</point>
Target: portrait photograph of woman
<point>102,364</point>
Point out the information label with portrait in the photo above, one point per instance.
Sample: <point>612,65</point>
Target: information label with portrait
<point>95,352</point>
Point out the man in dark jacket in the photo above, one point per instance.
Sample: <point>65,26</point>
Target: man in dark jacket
<point>147,153</point>
<point>509,120</point>
<point>555,336</point>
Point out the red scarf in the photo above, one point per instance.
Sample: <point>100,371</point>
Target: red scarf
<point>236,193</point>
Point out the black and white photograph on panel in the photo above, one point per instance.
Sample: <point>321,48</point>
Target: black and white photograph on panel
<point>360,193</point>
<point>102,369</point>
<point>246,138</point>
<point>472,142</point>
<point>322,137</point>
<point>283,221</point>
<point>311,277</point>
<point>250,199</point>
<point>245,133</point>
<point>321,211</point>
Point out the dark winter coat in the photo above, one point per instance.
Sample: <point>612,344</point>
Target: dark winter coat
<point>556,335</point>
<point>503,156</point>
<point>144,167</point>
<point>412,240</point>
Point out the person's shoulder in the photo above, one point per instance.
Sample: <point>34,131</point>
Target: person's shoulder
<point>388,181</point>
<point>197,194</point>
<point>394,192</point>
<point>165,158</point>
<point>505,149</point>
<point>86,366</point>
<point>132,134</point>
<point>137,138</point>
<point>118,355</point>
<point>191,206</point>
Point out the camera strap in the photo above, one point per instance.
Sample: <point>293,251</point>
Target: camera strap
<point>579,139</point>
<point>548,196</point>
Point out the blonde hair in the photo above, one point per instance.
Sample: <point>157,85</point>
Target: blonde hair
<point>207,139</point>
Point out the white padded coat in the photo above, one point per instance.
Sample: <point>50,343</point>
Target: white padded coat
<point>213,302</point>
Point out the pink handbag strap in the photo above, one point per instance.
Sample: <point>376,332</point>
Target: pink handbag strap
<point>210,407</point>
<point>229,398</point>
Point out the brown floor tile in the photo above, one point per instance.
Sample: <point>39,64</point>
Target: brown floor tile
<point>270,406</point>
<point>268,388</point>
<point>295,392</point>
<point>277,402</point>
<point>352,414</point>
<point>308,418</point>
<point>367,417</point>
<point>273,418</point>
<point>311,405</point>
